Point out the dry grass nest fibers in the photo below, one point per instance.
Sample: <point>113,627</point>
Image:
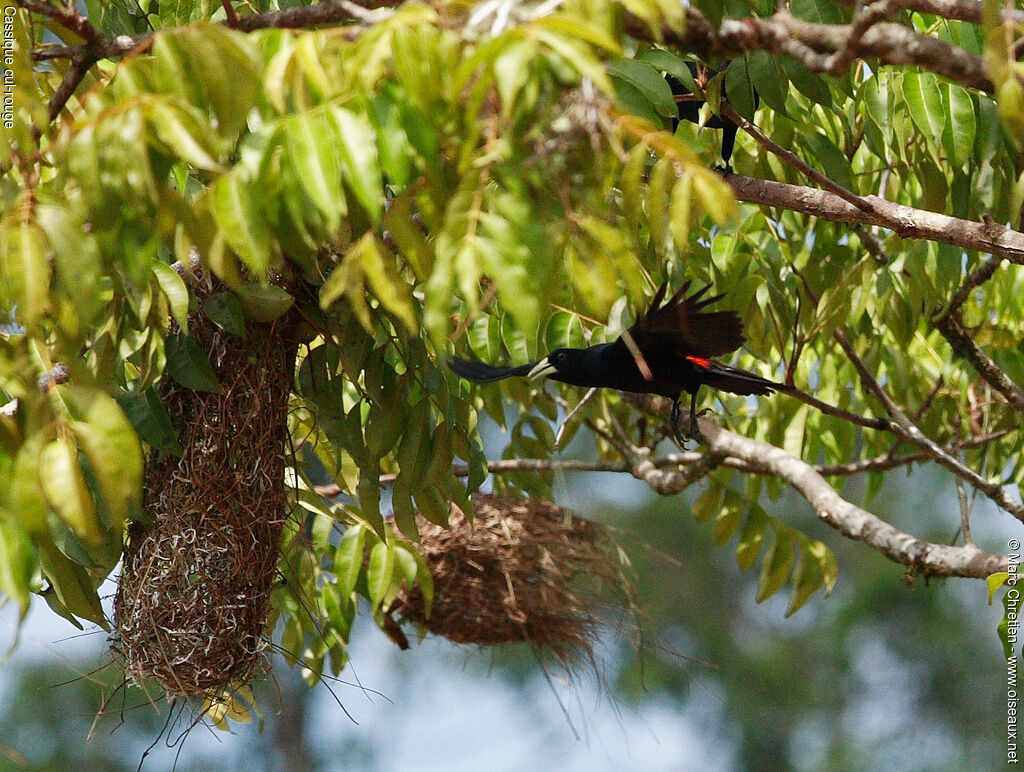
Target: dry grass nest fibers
<point>523,570</point>
<point>193,594</point>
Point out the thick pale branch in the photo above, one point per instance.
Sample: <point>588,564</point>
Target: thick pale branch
<point>905,221</point>
<point>848,518</point>
<point>664,475</point>
<point>816,45</point>
<point>958,10</point>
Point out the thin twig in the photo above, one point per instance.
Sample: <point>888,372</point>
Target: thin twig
<point>965,346</point>
<point>975,279</point>
<point>908,431</point>
<point>864,204</point>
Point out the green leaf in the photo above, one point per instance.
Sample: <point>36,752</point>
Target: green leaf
<point>25,270</point>
<point>924,101</point>
<point>18,562</point>
<point>65,489</point>
<point>647,81</point>
<point>359,163</point>
<point>112,448</point>
<point>726,522</point>
<point>24,498</point>
<point>739,89</point>
<point>777,562</point>
<point>512,71</point>
<point>707,504</point>
<point>263,302</point>
<point>393,146</point>
<point>877,104</point>
<point>72,585</point>
<point>241,222</point>
<point>405,562</point>
<point>347,279</point>
<point>174,289</point>
<point>564,330</point>
<point>312,141</point>
<point>962,127</point>
<point>578,56</point>
<point>210,65</point>
<point>225,311</point>
<point>188,365</point>
<point>425,580</point>
<point>807,576</point>
<point>751,538</point>
<point>404,512</point>
<point>808,83</point>
<point>994,582</point>
<point>671,64</point>
<point>824,155</point>
<point>348,559</point>
<point>383,427</point>
<point>1010,99</point>
<point>379,572</point>
<point>151,420</point>
<point>768,78</point>
<point>183,132</point>
<point>391,289</point>
<point>434,505</point>
<point>484,338</point>
<point>793,438</point>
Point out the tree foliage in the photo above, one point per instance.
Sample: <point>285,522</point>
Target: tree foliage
<point>495,181</point>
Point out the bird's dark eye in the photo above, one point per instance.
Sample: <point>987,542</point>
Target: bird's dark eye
<point>558,356</point>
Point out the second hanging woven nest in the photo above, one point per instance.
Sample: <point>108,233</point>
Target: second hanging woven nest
<point>524,570</point>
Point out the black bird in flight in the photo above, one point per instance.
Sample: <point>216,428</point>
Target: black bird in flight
<point>689,104</point>
<point>667,351</point>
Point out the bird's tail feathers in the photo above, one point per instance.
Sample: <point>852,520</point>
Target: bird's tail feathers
<point>737,381</point>
<point>480,372</point>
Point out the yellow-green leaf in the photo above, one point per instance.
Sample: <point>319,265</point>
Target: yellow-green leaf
<point>65,489</point>
<point>174,289</point>
<point>391,290</point>
<point>378,575</point>
<point>25,269</point>
<point>241,222</point>
<point>776,565</point>
<point>112,448</point>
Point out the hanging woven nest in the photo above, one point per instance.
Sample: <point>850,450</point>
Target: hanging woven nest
<point>193,596</point>
<point>523,571</point>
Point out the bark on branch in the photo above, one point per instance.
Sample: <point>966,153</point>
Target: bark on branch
<point>905,221</point>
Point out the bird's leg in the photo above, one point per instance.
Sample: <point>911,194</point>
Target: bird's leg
<point>680,437</point>
<point>694,433</point>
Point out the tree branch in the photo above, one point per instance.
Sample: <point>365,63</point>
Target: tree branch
<point>759,457</point>
<point>953,331</point>
<point>908,431</point>
<point>979,276</point>
<point>848,518</point>
<point>905,221</point>
<point>958,10</point>
<point>866,18</point>
<point>815,44</point>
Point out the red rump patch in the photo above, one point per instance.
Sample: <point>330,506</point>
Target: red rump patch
<point>699,361</point>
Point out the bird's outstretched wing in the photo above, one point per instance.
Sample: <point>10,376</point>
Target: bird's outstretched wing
<point>479,372</point>
<point>682,320</point>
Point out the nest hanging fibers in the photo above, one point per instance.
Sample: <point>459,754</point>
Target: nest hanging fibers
<point>523,570</point>
<point>193,594</point>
